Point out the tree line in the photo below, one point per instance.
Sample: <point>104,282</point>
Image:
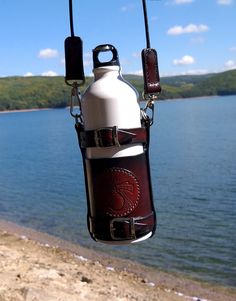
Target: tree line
<point>37,92</point>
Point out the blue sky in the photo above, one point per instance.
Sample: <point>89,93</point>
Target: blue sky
<point>191,36</point>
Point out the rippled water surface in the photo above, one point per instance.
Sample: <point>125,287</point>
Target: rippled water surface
<point>193,165</point>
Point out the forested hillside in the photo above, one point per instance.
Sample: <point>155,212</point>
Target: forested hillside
<point>32,92</point>
<point>51,92</point>
<point>199,85</point>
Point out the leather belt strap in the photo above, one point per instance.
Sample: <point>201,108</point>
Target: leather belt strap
<point>122,228</point>
<point>112,136</point>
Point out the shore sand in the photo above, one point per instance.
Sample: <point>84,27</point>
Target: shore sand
<point>39,267</point>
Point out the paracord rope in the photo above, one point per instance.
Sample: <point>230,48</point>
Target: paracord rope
<point>146,24</point>
<point>71,18</point>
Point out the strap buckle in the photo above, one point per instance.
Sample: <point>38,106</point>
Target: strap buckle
<point>99,135</point>
<point>130,221</point>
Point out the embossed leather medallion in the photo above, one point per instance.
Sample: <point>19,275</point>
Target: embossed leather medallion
<point>120,193</point>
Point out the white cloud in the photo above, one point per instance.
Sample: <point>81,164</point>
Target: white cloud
<point>185,60</point>
<point>182,1</point>
<point>225,2</point>
<point>190,28</point>
<point>28,74</point>
<point>136,54</point>
<point>88,60</point>
<point>127,7</point>
<point>124,62</point>
<point>230,65</point>
<point>138,72</point>
<point>232,48</point>
<point>154,18</point>
<point>197,40</point>
<point>196,72</point>
<point>48,53</point>
<point>188,72</point>
<point>49,73</point>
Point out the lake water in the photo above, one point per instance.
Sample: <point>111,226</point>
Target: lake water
<point>193,165</point>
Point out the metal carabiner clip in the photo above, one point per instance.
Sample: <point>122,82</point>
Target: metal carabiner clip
<point>76,101</point>
<point>150,98</point>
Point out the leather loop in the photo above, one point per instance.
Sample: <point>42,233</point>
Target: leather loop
<point>74,59</point>
<point>112,136</point>
<point>150,71</point>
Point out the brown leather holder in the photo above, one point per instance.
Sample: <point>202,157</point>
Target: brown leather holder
<point>150,71</point>
<point>119,192</point>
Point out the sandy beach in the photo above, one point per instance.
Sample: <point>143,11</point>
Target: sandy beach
<point>39,267</point>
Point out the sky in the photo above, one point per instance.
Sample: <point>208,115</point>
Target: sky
<point>190,36</point>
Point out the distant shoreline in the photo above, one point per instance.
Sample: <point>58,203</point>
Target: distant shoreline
<point>24,110</point>
<point>159,100</point>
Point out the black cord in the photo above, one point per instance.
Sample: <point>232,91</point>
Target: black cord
<point>145,21</point>
<point>71,18</point>
<point>146,24</point>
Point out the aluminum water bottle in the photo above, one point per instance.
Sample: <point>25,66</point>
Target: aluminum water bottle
<point>114,145</point>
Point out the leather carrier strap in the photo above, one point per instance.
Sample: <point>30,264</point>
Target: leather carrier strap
<point>74,59</point>
<point>113,136</point>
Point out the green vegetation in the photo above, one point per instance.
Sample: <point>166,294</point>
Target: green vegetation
<point>187,86</point>
<point>32,92</point>
<point>51,92</point>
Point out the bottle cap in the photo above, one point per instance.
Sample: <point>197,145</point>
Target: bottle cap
<point>104,48</point>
